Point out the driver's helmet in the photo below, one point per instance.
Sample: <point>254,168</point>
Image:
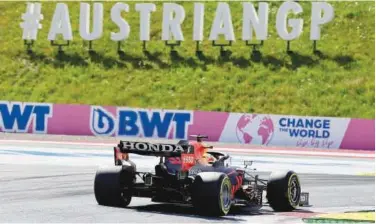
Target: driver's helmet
<point>200,153</point>
<point>209,158</point>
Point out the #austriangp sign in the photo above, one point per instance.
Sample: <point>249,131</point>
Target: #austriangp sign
<point>255,19</point>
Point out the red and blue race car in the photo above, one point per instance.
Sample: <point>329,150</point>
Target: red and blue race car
<point>212,188</point>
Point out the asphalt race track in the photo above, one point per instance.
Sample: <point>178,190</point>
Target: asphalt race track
<point>32,192</point>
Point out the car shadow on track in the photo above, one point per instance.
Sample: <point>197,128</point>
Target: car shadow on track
<point>181,210</point>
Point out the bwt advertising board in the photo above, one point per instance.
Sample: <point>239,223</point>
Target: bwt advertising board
<point>255,129</point>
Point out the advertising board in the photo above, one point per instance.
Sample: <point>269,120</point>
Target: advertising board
<point>253,129</point>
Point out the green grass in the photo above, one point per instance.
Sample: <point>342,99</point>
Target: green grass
<point>337,82</point>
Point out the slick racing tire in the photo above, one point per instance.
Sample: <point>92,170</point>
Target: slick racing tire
<point>283,191</point>
<point>112,186</point>
<point>211,194</point>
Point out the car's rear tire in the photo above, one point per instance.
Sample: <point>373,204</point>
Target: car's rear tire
<point>112,187</point>
<point>211,194</point>
<point>283,191</point>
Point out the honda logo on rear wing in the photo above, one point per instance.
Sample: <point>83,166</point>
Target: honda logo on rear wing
<point>152,147</point>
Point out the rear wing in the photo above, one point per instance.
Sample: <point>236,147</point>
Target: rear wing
<point>154,149</point>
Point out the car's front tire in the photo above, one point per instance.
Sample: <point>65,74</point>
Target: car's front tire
<point>283,191</point>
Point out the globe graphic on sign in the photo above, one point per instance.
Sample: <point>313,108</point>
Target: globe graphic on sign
<point>255,129</point>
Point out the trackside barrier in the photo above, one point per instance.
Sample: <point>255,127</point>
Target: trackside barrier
<point>255,129</point>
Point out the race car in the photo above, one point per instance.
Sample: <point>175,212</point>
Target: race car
<point>212,189</point>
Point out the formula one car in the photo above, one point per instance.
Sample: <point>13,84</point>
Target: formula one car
<point>211,189</point>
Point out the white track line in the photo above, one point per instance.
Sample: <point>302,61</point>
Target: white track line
<point>320,152</point>
<point>296,152</point>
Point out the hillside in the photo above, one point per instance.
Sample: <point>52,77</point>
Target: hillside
<point>337,82</point>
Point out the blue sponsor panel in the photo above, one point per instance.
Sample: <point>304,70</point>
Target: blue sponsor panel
<point>140,123</point>
<point>305,127</point>
<point>17,117</point>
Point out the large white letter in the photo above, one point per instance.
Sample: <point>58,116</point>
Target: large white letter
<point>122,24</point>
<point>85,21</point>
<point>170,24</point>
<point>30,30</point>
<point>296,24</point>
<point>252,20</point>
<point>198,23</point>
<point>317,20</point>
<point>222,23</point>
<point>60,23</point>
<point>145,9</point>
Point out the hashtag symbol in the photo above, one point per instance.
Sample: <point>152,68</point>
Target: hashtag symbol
<point>31,18</point>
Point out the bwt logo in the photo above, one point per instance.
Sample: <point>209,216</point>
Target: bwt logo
<point>17,117</point>
<point>130,122</point>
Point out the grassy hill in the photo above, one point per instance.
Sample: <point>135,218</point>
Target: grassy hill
<point>337,82</point>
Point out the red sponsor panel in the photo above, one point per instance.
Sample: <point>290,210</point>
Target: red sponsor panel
<point>188,160</point>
